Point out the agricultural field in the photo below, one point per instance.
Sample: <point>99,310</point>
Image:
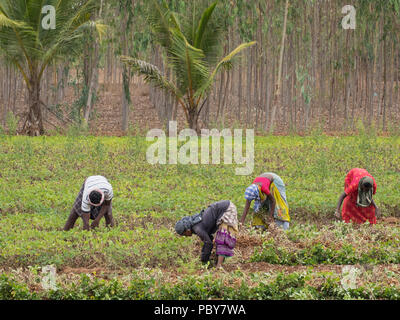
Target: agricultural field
<point>143,258</point>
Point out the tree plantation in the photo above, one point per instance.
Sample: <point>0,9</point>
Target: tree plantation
<point>295,73</point>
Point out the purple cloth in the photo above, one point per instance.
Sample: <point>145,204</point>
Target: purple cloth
<point>223,250</point>
<point>225,243</point>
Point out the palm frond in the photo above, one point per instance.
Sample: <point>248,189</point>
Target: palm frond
<point>30,43</point>
<point>159,18</point>
<point>225,62</point>
<point>204,30</point>
<point>7,22</point>
<point>187,62</point>
<point>202,27</point>
<point>151,74</point>
<point>73,27</point>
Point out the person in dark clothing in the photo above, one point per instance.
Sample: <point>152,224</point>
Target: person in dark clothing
<point>220,218</point>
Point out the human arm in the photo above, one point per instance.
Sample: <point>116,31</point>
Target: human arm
<point>85,212</point>
<point>104,208</point>
<point>245,211</point>
<point>272,200</point>
<point>206,251</point>
<point>207,243</point>
<point>339,204</point>
<point>378,213</point>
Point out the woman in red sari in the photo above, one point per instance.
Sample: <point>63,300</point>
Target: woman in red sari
<point>358,205</point>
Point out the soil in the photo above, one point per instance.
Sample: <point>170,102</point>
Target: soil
<point>245,245</point>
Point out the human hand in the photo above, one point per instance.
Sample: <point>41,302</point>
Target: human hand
<point>94,224</point>
<point>337,214</point>
<point>220,268</point>
<point>378,213</point>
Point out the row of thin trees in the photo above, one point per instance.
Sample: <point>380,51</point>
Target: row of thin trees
<point>310,70</point>
<point>304,70</point>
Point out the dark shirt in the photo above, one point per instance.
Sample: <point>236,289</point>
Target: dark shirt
<point>208,226</point>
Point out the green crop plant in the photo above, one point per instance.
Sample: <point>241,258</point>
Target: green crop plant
<point>40,178</point>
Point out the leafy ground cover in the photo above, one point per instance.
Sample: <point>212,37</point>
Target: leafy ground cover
<point>143,258</point>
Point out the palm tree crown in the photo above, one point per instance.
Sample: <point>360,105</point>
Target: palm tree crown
<point>31,48</point>
<point>193,51</point>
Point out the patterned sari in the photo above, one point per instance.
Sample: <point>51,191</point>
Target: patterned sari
<point>262,205</point>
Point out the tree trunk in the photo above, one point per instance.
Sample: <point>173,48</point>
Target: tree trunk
<point>94,76</point>
<point>240,93</point>
<point>193,119</point>
<point>33,125</point>
<point>277,96</point>
<point>126,100</point>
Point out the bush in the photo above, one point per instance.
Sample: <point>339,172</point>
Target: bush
<point>11,123</point>
<point>12,290</point>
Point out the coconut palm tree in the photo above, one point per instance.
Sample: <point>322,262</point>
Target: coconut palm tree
<point>193,46</point>
<point>27,43</point>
